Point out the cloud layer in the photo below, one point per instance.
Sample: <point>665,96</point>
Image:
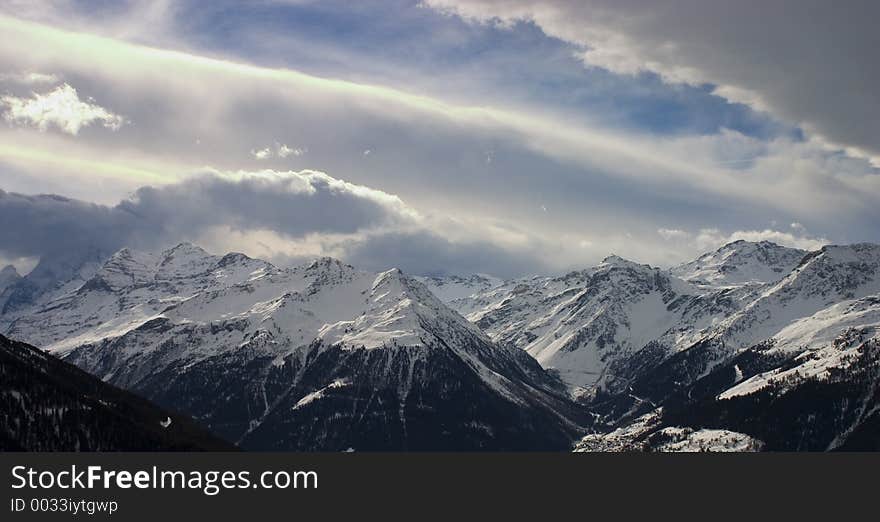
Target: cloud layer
<point>289,217</point>
<point>292,203</point>
<point>499,188</point>
<point>61,108</point>
<point>811,62</point>
<point>303,214</point>
<point>279,150</point>
<point>707,239</point>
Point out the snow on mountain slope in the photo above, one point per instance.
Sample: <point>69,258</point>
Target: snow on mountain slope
<point>622,322</point>
<point>128,290</point>
<point>741,262</point>
<point>825,277</point>
<point>324,356</point>
<point>587,323</point>
<point>254,351</point>
<point>829,276</point>
<point>815,345</point>
<point>453,288</point>
<point>622,307</point>
<point>396,309</point>
<point>648,434</point>
<point>813,386</point>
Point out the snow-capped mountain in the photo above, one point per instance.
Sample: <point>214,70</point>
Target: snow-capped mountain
<point>453,288</point>
<point>129,288</point>
<point>319,356</point>
<point>828,276</point>
<point>580,323</point>
<point>634,335</point>
<point>798,368</point>
<point>832,275</point>
<point>49,405</point>
<point>813,386</point>
<point>606,325</point>
<point>54,275</point>
<point>324,356</point>
<point>601,326</point>
<point>741,262</point>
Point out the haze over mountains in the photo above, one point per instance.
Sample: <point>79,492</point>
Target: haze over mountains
<point>753,346</point>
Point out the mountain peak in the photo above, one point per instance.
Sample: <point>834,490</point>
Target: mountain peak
<point>391,273</point>
<point>185,260</point>
<point>327,262</point>
<point>742,244</point>
<point>741,262</point>
<point>8,276</point>
<point>395,282</point>
<point>853,252</point>
<point>122,253</point>
<point>615,260</point>
<point>124,258</point>
<point>839,268</point>
<point>184,248</point>
<point>237,258</point>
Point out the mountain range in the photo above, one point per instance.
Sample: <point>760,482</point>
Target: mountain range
<point>752,346</point>
<point>314,357</point>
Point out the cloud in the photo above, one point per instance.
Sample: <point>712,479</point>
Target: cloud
<point>284,151</point>
<point>261,153</point>
<point>427,144</point>
<point>61,108</point>
<point>426,252</point>
<point>29,78</point>
<point>708,239</point>
<point>290,203</point>
<point>670,234</point>
<point>135,19</point>
<point>280,215</point>
<point>280,150</point>
<point>604,190</point>
<point>35,226</point>
<point>812,62</point>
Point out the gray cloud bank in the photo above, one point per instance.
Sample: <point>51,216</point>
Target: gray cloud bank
<point>294,203</point>
<point>296,211</point>
<point>810,62</point>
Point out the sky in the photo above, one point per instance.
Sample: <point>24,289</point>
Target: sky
<point>506,137</point>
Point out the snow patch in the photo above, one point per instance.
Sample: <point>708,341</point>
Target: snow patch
<point>319,394</point>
